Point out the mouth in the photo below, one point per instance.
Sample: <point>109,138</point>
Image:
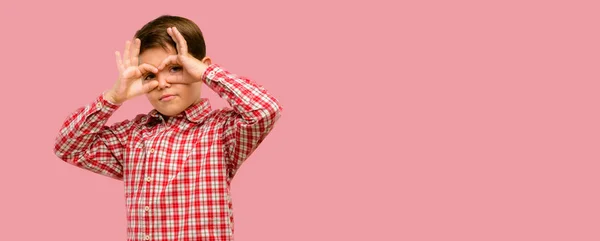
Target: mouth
<point>166,97</point>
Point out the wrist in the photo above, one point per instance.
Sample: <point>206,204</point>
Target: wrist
<point>110,97</point>
<point>205,72</point>
<point>200,72</point>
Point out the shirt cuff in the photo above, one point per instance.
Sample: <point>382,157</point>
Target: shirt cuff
<point>209,73</point>
<point>102,103</point>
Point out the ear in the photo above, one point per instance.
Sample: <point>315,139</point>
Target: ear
<point>206,60</point>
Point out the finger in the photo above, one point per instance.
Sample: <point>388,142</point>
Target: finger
<point>149,86</point>
<point>180,41</point>
<point>172,31</point>
<point>146,68</point>
<point>119,62</point>
<point>175,79</point>
<point>170,60</point>
<point>172,35</point>
<point>126,54</point>
<point>135,52</point>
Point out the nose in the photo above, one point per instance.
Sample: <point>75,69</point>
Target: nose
<point>162,81</point>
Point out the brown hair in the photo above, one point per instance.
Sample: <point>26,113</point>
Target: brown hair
<point>154,34</point>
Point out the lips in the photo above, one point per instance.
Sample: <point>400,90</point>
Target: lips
<point>166,96</point>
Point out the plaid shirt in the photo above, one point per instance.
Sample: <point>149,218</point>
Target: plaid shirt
<point>177,172</point>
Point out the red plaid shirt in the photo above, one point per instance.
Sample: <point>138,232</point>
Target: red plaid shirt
<point>177,173</point>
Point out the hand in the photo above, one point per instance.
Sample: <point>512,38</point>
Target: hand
<point>130,82</point>
<point>193,69</point>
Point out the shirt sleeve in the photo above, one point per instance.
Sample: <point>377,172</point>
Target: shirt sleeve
<point>86,142</point>
<point>253,115</point>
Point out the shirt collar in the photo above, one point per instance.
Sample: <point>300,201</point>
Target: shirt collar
<point>194,113</point>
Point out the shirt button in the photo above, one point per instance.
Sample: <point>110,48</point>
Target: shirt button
<point>147,208</point>
<point>147,237</point>
<point>148,179</point>
<point>152,150</point>
<point>99,105</point>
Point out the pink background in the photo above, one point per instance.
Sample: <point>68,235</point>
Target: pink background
<point>403,120</point>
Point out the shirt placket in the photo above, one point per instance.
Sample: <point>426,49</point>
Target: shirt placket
<point>148,186</point>
<point>150,151</point>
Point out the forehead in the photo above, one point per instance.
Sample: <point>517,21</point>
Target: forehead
<point>155,56</point>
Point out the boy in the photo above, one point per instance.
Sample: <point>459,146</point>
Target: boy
<point>178,160</point>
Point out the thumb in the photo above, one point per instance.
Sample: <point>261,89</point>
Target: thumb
<point>175,79</point>
<point>149,86</point>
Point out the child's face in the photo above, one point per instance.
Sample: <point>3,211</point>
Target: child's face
<point>183,95</point>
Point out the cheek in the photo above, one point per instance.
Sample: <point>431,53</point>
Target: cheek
<point>185,89</point>
<point>194,92</point>
<point>152,96</point>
